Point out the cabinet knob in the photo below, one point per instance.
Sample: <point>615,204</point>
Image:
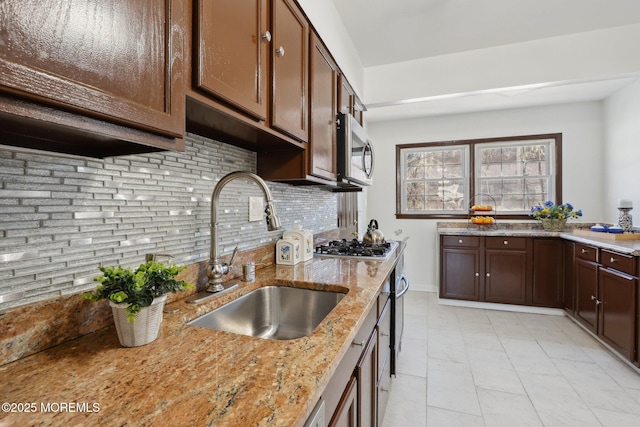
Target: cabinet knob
<point>459,240</point>
<point>488,274</point>
<point>280,51</point>
<point>584,251</point>
<point>477,274</point>
<point>266,36</point>
<point>612,259</point>
<point>359,344</point>
<point>598,302</point>
<point>506,242</point>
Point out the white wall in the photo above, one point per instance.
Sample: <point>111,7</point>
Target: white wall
<point>328,24</point>
<point>583,56</point>
<point>622,150</point>
<point>582,128</point>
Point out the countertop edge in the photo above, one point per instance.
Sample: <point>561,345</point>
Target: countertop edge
<point>628,247</point>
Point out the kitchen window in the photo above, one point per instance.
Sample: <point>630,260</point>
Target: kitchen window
<point>439,179</point>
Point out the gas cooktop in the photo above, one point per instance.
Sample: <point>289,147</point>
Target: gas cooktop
<point>356,249</point>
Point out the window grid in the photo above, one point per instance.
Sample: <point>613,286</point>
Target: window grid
<point>435,180</point>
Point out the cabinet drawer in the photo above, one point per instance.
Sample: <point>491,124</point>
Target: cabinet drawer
<point>506,243</point>
<point>617,261</point>
<point>586,252</point>
<point>461,241</point>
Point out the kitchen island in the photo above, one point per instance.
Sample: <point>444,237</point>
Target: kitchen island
<point>196,376</point>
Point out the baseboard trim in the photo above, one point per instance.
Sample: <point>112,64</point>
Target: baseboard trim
<point>502,307</point>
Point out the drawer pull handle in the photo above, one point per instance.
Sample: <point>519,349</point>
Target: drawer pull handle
<point>612,259</point>
<point>459,240</point>
<point>584,251</point>
<point>477,274</point>
<point>384,334</point>
<point>359,344</point>
<point>598,302</point>
<point>506,242</point>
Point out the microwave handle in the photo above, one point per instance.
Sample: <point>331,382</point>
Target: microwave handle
<point>368,147</point>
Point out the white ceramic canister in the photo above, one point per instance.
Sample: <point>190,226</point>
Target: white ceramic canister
<point>287,252</point>
<point>305,239</point>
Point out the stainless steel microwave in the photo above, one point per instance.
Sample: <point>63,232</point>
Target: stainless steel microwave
<point>355,152</point>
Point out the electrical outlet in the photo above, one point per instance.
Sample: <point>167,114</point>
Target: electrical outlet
<point>256,208</point>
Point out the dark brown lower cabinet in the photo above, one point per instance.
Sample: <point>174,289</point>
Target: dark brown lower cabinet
<point>367,375</point>
<point>568,278</point>
<point>352,394</point>
<point>616,300</point>
<point>346,415</point>
<point>507,269</point>
<point>586,276</point>
<point>460,267</point>
<point>547,290</point>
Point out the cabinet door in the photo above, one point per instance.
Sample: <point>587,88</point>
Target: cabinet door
<point>617,295</point>
<point>586,279</point>
<point>346,415</point>
<point>569,290</point>
<point>547,273</point>
<point>460,274</point>
<point>505,276</point>
<point>232,41</point>
<point>324,94</point>
<point>290,57</point>
<point>346,96</point>
<point>119,61</point>
<point>367,374</point>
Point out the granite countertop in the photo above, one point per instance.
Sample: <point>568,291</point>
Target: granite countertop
<point>630,247</point>
<point>196,376</point>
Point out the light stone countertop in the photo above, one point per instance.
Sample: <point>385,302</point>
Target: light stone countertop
<point>196,376</point>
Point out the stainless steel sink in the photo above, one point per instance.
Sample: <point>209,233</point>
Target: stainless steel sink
<point>272,312</point>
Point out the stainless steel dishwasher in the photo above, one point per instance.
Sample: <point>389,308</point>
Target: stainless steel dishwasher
<point>400,288</point>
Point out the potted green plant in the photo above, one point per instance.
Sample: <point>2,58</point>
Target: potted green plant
<point>137,298</point>
<point>554,217</point>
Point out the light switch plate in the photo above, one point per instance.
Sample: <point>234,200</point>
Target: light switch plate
<point>256,208</point>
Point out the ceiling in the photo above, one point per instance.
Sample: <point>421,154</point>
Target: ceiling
<point>390,31</point>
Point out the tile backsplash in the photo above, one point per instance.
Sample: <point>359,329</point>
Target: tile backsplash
<point>62,216</point>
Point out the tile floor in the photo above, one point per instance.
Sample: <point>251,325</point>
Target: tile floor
<point>473,367</point>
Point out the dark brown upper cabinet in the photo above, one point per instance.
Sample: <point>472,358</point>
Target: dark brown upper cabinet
<point>231,53</point>
<point>249,62</point>
<point>346,96</point>
<point>318,163</point>
<point>290,56</point>
<point>92,77</point>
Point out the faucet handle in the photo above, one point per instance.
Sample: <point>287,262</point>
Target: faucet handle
<point>154,257</point>
<point>233,255</point>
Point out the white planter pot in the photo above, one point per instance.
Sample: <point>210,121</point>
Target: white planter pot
<point>145,329</point>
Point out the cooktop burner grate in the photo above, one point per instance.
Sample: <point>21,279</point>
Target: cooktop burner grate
<point>356,249</point>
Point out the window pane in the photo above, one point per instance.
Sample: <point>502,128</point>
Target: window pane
<point>506,171</point>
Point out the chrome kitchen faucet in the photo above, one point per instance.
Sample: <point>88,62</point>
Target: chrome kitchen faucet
<point>216,269</point>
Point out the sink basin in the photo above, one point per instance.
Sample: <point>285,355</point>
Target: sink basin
<point>272,312</point>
